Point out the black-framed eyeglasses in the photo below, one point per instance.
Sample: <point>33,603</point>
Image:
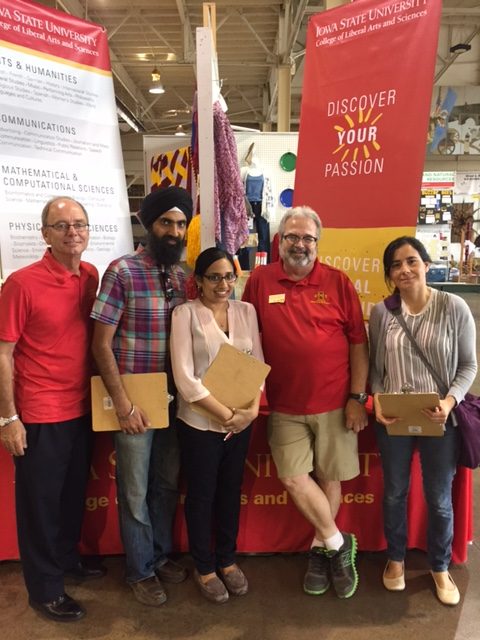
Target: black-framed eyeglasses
<point>216,277</point>
<point>294,239</point>
<point>64,227</point>
<point>167,286</point>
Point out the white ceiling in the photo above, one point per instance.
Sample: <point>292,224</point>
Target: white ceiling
<point>253,38</point>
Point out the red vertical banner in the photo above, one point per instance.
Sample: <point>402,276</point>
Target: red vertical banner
<point>363,129</point>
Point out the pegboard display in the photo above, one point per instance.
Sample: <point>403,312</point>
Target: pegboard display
<point>269,149</point>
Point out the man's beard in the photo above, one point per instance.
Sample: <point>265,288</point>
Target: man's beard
<point>163,251</point>
<point>297,259</point>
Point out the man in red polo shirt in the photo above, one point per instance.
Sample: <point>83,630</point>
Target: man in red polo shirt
<point>45,372</point>
<point>314,339</point>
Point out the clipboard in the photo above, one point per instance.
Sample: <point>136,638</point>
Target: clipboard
<point>234,378</point>
<point>407,407</point>
<point>146,390</point>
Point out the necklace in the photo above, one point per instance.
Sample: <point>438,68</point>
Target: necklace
<point>222,319</point>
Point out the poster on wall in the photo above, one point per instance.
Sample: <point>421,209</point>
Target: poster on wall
<point>365,107</point>
<point>454,124</point>
<point>58,132</point>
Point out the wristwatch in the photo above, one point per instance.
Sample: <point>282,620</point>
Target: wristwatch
<point>359,397</point>
<point>4,422</point>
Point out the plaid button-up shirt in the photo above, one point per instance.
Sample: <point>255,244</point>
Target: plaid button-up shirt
<point>132,297</point>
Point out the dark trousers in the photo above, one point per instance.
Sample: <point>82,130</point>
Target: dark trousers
<point>50,484</point>
<point>214,473</point>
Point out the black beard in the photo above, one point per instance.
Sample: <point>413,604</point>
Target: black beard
<point>162,251</point>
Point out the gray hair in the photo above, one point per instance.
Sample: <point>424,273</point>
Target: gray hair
<point>46,208</point>
<point>300,212</point>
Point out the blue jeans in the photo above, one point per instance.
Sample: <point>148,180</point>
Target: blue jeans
<point>147,476</point>
<point>438,458</point>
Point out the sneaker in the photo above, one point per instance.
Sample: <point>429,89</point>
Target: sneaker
<point>149,591</point>
<point>171,572</point>
<point>317,578</point>
<point>235,581</point>
<point>342,567</point>
<point>213,590</point>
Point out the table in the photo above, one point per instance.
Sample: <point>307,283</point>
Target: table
<point>269,521</point>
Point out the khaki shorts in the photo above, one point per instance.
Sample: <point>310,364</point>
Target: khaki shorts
<point>319,442</point>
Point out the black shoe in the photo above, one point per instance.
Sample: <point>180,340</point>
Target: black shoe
<point>82,572</point>
<point>342,567</point>
<point>317,577</point>
<point>62,609</point>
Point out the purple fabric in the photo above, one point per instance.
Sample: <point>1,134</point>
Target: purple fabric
<point>468,422</point>
<point>231,224</point>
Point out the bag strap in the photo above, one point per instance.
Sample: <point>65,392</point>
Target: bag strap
<point>393,304</point>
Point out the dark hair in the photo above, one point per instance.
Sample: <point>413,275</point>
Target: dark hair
<point>208,257</point>
<point>389,253</point>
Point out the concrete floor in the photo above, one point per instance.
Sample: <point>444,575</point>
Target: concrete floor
<point>275,609</point>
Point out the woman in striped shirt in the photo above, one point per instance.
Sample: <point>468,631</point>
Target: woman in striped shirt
<point>444,329</point>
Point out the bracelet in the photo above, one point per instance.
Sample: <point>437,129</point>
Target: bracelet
<point>128,415</point>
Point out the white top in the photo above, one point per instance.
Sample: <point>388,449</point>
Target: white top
<point>195,339</point>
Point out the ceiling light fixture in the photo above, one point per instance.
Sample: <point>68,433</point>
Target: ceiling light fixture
<point>179,131</point>
<point>156,87</point>
<point>461,47</point>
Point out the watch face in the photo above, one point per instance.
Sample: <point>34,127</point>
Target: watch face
<point>360,397</point>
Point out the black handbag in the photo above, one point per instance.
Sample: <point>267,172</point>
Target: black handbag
<point>467,413</point>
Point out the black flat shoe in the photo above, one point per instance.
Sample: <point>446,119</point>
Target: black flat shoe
<point>62,609</point>
<point>83,572</point>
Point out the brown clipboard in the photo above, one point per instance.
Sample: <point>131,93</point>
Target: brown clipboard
<point>408,407</point>
<point>146,390</point>
<point>234,378</point>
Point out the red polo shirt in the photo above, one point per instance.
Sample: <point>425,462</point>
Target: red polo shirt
<point>307,328</point>
<point>45,310</point>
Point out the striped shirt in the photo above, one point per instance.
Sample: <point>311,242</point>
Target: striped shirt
<point>132,297</point>
<point>430,330</point>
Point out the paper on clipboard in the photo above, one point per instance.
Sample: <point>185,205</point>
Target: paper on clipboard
<point>408,407</point>
<point>145,390</point>
<point>233,378</point>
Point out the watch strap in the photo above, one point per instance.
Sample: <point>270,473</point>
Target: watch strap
<point>359,397</point>
<point>4,422</point>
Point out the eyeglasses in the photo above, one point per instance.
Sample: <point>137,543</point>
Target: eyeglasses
<point>167,286</point>
<point>216,277</point>
<point>80,227</point>
<point>294,239</point>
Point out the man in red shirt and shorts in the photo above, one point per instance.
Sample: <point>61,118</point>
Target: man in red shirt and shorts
<point>314,338</point>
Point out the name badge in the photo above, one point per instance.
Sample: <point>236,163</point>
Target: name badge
<point>276,298</point>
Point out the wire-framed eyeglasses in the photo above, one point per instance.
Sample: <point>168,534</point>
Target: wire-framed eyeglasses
<point>64,227</point>
<point>292,238</point>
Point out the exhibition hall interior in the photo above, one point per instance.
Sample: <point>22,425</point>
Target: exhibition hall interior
<point>111,114</point>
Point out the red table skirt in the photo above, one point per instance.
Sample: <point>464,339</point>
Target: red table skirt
<point>269,521</point>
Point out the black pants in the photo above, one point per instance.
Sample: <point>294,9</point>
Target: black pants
<point>50,484</point>
<point>214,474</point>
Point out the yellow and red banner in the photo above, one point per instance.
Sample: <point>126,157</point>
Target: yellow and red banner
<point>365,109</point>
